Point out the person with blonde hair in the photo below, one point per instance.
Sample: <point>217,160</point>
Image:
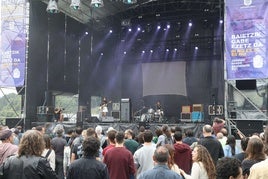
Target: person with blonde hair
<point>28,163</point>
<point>203,166</point>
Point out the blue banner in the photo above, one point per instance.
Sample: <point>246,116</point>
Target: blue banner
<point>245,39</point>
<point>13,42</point>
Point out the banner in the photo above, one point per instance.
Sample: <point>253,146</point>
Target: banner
<point>246,26</point>
<point>13,18</point>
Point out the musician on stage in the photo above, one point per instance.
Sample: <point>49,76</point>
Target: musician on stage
<point>159,112</point>
<point>58,114</point>
<point>158,106</point>
<point>104,107</point>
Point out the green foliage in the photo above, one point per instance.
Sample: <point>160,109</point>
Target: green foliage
<point>10,106</point>
<point>70,104</point>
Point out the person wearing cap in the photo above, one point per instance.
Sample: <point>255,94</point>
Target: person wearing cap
<point>7,148</point>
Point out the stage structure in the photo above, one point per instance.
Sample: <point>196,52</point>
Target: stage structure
<point>246,64</point>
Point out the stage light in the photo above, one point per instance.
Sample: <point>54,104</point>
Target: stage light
<point>75,4</point>
<point>111,31</point>
<point>158,27</point>
<point>86,33</point>
<point>167,50</point>
<point>139,29</point>
<point>101,54</point>
<point>151,51</point>
<point>190,24</point>
<point>196,48</point>
<point>175,49</point>
<point>129,30</point>
<point>168,26</point>
<point>52,7</point>
<point>125,52</point>
<point>130,1</point>
<point>96,3</point>
<point>143,51</point>
<point>221,21</point>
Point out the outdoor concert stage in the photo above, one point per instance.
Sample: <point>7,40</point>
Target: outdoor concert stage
<point>196,127</point>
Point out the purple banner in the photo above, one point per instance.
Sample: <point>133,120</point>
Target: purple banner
<point>13,42</point>
<point>245,39</point>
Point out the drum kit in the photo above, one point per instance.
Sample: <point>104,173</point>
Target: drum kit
<point>150,116</point>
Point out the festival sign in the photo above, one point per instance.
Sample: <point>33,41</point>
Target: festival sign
<point>246,25</point>
<point>13,42</point>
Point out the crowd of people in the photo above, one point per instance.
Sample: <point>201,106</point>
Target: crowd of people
<point>167,152</point>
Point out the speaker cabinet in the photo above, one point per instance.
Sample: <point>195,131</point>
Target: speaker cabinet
<point>125,110</point>
<point>116,115</point>
<point>248,127</point>
<point>246,84</point>
<point>12,122</point>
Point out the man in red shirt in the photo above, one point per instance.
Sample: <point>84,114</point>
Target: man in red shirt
<point>119,160</point>
<point>182,154</point>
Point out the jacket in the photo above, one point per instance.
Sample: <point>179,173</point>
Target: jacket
<point>31,167</point>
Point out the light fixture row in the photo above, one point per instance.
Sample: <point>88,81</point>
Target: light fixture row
<point>52,6</point>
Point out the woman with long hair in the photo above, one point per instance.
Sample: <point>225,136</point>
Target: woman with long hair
<point>171,164</point>
<point>28,163</point>
<point>203,166</point>
<point>255,153</point>
<point>48,152</point>
<point>230,148</point>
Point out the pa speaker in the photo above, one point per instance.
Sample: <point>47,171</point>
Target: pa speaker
<point>125,111</point>
<point>246,84</point>
<point>249,127</point>
<point>12,122</point>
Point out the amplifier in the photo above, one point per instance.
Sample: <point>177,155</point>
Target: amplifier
<point>197,116</point>
<point>186,117</point>
<point>186,109</point>
<point>198,107</point>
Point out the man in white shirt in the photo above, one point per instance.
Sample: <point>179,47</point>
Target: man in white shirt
<point>143,157</point>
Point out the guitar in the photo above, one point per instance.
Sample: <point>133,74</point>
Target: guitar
<point>104,105</point>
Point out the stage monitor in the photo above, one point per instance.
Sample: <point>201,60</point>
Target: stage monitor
<point>246,84</point>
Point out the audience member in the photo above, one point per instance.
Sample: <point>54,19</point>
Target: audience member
<point>58,143</point>
<point>119,160</point>
<point>160,170</point>
<point>218,124</point>
<point>255,153</point>
<point>87,166</point>
<point>166,137</point>
<point>158,132</point>
<point>130,143</point>
<point>229,168</point>
<point>213,146</point>
<point>48,152</point>
<point>143,157</point>
<point>7,147</point>
<point>203,165</point>
<point>230,148</point>
<point>259,170</point>
<point>78,139</point>
<point>101,137</point>
<point>242,155</point>
<point>182,154</point>
<point>189,137</point>
<point>28,163</point>
<point>111,141</point>
<point>171,164</point>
